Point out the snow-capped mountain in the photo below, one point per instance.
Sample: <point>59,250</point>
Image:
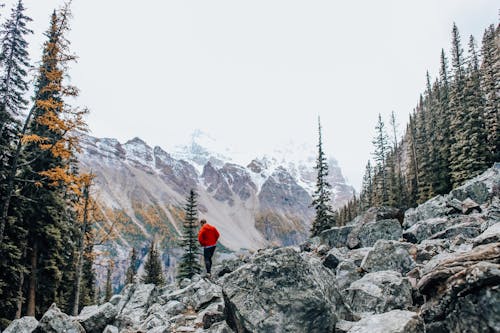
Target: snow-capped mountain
<point>263,202</point>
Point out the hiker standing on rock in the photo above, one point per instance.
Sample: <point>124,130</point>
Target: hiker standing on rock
<point>208,237</point>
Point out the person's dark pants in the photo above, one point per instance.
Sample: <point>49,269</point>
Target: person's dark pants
<point>208,253</point>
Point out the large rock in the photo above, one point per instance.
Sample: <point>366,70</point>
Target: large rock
<point>336,237</point>
<point>379,292</point>
<point>132,308</point>
<point>54,321</point>
<point>197,294</point>
<point>376,223</point>
<point>463,291</point>
<point>22,325</point>
<point>395,321</point>
<point>480,189</point>
<point>283,291</point>
<point>390,255</point>
<point>346,273</point>
<point>95,318</point>
<point>490,235</point>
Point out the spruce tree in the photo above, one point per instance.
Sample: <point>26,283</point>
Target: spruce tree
<point>189,263</point>
<point>367,188</point>
<point>132,268</point>
<point>490,86</point>
<point>14,61</point>
<point>322,195</point>
<point>381,146</point>
<point>442,180</point>
<point>152,267</point>
<point>458,116</point>
<point>476,157</point>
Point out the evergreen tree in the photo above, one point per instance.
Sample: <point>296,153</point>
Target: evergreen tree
<point>152,267</point>
<point>189,263</point>
<point>367,188</point>
<point>132,268</point>
<point>476,156</point>
<point>14,61</point>
<point>442,183</point>
<point>380,143</point>
<point>490,86</point>
<point>412,180</point>
<point>459,141</point>
<point>322,194</point>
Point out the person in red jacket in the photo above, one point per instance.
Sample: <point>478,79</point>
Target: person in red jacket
<point>208,236</point>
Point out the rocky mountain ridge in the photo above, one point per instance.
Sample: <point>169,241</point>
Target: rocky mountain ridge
<point>434,269</point>
<point>143,189</point>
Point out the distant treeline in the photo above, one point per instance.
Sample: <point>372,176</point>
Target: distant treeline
<point>452,134</point>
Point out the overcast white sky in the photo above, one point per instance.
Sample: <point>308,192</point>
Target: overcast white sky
<point>255,74</point>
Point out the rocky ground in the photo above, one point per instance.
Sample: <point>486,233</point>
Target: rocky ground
<point>435,268</point>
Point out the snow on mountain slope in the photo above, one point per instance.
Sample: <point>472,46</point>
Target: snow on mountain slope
<point>260,202</point>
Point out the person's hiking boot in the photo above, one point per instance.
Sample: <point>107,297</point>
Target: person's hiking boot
<point>208,276</point>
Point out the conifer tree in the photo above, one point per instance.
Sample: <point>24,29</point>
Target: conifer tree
<point>442,183</point>
<point>380,143</point>
<point>367,188</point>
<point>322,195</point>
<point>132,268</point>
<point>476,158</point>
<point>457,112</point>
<point>396,182</point>
<point>490,86</point>
<point>14,61</point>
<point>189,263</point>
<point>152,267</point>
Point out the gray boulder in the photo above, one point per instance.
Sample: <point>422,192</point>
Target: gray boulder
<point>333,258</point>
<point>22,325</point>
<point>336,237</point>
<point>283,290</point>
<point>346,273</point>
<point>395,321</point>
<point>369,233</point>
<point>95,318</point>
<point>54,321</point>
<point>390,255</point>
<point>197,294</point>
<point>132,308</point>
<point>357,255</point>
<point>379,292</point>
<point>490,235</point>
<point>424,229</point>
<point>481,188</point>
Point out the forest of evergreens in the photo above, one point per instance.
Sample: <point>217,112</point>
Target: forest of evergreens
<point>452,134</point>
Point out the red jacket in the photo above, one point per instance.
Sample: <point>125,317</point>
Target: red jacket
<point>208,235</point>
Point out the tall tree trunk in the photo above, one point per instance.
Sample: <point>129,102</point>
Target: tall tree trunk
<point>81,245</point>
<point>32,288</point>
<point>20,297</point>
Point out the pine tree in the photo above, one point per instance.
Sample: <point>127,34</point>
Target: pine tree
<point>132,268</point>
<point>152,267</point>
<point>367,188</point>
<point>476,154</point>
<point>14,61</point>
<point>189,263</point>
<point>458,114</point>
<point>322,194</point>
<point>380,143</point>
<point>490,85</point>
<point>442,180</point>
<point>412,180</point>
